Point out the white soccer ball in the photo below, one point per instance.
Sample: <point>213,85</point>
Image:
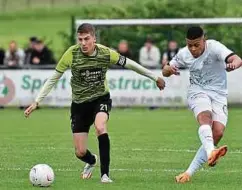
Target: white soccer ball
<point>41,175</point>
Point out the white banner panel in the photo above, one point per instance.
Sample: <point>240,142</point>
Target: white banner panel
<point>130,89</point>
<point>235,86</point>
<point>27,84</point>
<point>20,87</point>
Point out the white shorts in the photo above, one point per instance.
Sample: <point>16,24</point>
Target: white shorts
<point>209,101</point>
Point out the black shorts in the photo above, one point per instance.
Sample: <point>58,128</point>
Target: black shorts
<point>83,114</point>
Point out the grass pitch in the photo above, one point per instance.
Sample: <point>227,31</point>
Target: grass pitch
<point>148,148</point>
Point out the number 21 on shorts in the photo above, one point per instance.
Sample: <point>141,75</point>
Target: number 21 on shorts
<point>103,107</point>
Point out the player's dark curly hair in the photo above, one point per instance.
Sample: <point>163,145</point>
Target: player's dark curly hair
<point>86,28</point>
<point>194,32</point>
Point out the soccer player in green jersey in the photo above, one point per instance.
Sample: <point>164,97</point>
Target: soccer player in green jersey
<point>91,101</point>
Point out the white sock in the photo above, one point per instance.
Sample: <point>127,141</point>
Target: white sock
<point>206,137</point>
<point>199,159</point>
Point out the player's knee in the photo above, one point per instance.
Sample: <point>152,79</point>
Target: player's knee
<point>80,152</point>
<point>100,124</point>
<point>101,128</point>
<point>205,118</point>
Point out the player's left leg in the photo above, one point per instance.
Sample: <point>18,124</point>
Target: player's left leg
<point>220,117</point>
<point>203,107</point>
<point>104,145</point>
<point>201,156</point>
<point>101,119</point>
<point>218,132</point>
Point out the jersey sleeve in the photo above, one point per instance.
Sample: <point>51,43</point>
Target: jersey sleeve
<point>116,58</point>
<point>177,60</point>
<point>65,61</point>
<point>222,51</point>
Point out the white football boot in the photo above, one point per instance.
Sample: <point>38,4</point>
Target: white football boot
<point>88,169</point>
<point>106,179</point>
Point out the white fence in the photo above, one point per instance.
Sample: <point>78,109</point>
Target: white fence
<point>20,87</point>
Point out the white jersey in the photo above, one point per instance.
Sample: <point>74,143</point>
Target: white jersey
<point>207,72</point>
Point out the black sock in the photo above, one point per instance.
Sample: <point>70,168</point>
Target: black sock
<point>104,151</point>
<point>88,158</point>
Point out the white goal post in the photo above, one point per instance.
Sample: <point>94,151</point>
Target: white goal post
<point>157,21</point>
<point>169,21</point>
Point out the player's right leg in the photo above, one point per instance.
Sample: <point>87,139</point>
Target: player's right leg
<point>82,153</point>
<point>202,156</point>
<point>201,104</point>
<point>80,123</point>
<point>199,159</point>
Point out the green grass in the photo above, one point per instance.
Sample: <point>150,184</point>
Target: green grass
<point>45,22</point>
<point>13,5</point>
<point>47,28</point>
<point>148,149</point>
<point>19,21</point>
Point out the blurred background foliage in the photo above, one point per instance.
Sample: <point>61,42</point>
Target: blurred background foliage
<point>51,20</point>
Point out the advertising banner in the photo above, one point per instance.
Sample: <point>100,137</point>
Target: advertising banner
<point>127,88</point>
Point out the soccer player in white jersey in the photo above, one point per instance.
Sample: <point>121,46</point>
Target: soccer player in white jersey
<point>207,61</point>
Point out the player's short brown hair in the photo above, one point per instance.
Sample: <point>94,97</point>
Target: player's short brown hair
<point>86,28</point>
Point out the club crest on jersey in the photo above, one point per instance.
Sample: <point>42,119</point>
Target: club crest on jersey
<point>207,61</point>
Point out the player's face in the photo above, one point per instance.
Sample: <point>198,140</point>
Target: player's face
<point>87,42</point>
<point>196,46</point>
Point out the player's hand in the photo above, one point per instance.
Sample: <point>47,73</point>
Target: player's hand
<point>232,66</point>
<point>175,70</point>
<point>170,70</point>
<point>30,109</point>
<point>160,83</point>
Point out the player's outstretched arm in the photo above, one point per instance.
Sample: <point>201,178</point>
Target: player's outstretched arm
<point>49,84</point>
<point>130,64</point>
<point>233,62</point>
<point>61,67</point>
<point>170,70</point>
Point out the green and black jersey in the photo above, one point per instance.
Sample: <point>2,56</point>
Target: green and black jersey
<point>88,79</point>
